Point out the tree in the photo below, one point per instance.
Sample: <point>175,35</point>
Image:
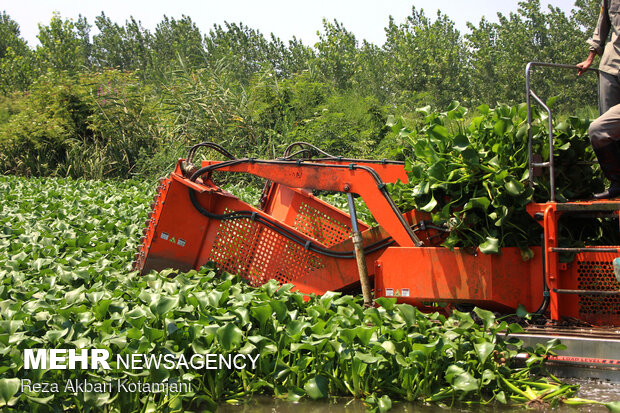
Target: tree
<point>177,39</point>
<point>337,54</point>
<point>483,60</point>
<point>64,44</point>
<point>372,77</point>
<point>426,59</point>
<point>289,60</point>
<point>9,36</point>
<point>17,68</point>
<point>124,47</point>
<point>585,14</point>
<point>499,53</point>
<point>242,50</point>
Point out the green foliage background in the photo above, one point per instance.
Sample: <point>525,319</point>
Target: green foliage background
<point>128,101</point>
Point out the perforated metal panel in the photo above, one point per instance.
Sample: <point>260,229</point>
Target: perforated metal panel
<point>597,275</point>
<point>259,254</point>
<point>320,226</point>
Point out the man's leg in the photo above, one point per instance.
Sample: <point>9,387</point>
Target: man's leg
<point>608,92</point>
<point>604,135</point>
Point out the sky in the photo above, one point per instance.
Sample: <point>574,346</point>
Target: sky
<point>285,18</point>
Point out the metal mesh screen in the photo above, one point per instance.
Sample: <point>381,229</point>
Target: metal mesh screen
<point>258,254</point>
<point>320,226</point>
<point>597,275</point>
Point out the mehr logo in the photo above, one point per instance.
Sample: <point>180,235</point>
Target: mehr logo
<point>93,359</point>
<point>58,358</point>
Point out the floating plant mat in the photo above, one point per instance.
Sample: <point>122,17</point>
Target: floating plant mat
<point>65,283</point>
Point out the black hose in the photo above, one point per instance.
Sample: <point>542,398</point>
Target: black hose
<point>303,145</point>
<point>283,231</point>
<point>546,296</point>
<point>271,224</point>
<point>211,145</point>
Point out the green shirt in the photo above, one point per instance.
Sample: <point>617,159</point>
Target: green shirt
<point>608,21</point>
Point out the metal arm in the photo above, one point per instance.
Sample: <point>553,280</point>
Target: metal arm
<point>348,178</point>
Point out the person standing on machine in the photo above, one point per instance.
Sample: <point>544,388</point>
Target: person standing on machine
<point>604,132</point>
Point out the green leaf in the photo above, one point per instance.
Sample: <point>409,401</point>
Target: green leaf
<point>460,143</point>
<point>389,347</point>
<point>551,101</point>
<point>437,171</point>
<point>484,109</point>
<point>391,121</point>
<point>295,394</point>
<point>317,387</point>
<point>613,407</point>
<point>364,334</point>
<point>368,358</point>
<point>521,132</point>
<point>470,156</point>
<point>229,336</point>
<point>521,311</point>
<point>480,203</point>
<point>425,110</point>
<point>386,302</point>
<point>384,403</point>
<point>483,350</point>
<point>460,379</point>
<point>261,312</point>
<point>487,317</point>
<point>490,246</point>
<point>394,124</point>
<point>500,126</point>
<point>8,389</point>
<point>430,205</point>
<point>162,305</point>
<point>439,132</point>
<point>408,313</point>
<point>514,187</point>
<point>296,327</point>
<point>515,328</point>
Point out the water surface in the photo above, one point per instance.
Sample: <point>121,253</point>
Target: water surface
<point>603,391</point>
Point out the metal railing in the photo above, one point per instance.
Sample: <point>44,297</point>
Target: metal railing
<point>530,93</point>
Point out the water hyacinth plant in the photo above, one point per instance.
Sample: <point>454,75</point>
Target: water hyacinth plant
<point>65,252</point>
<point>471,172</point>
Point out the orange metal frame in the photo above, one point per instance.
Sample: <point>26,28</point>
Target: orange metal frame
<point>591,268</point>
<point>179,236</point>
<point>436,274</point>
<point>359,178</point>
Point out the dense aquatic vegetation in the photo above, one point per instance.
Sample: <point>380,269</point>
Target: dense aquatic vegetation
<point>65,283</point>
<point>470,170</point>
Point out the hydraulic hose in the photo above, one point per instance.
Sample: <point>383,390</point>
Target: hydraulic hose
<point>274,225</point>
<point>546,297</point>
<point>211,145</point>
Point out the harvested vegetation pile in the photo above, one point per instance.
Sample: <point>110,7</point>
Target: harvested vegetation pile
<point>472,173</point>
<point>65,251</point>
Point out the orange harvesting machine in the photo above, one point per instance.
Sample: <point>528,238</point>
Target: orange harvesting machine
<point>295,237</point>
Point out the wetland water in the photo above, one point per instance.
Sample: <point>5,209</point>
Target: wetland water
<point>603,391</point>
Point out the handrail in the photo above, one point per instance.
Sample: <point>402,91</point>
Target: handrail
<point>529,93</point>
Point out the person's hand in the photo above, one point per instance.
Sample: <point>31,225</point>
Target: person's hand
<point>585,65</point>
